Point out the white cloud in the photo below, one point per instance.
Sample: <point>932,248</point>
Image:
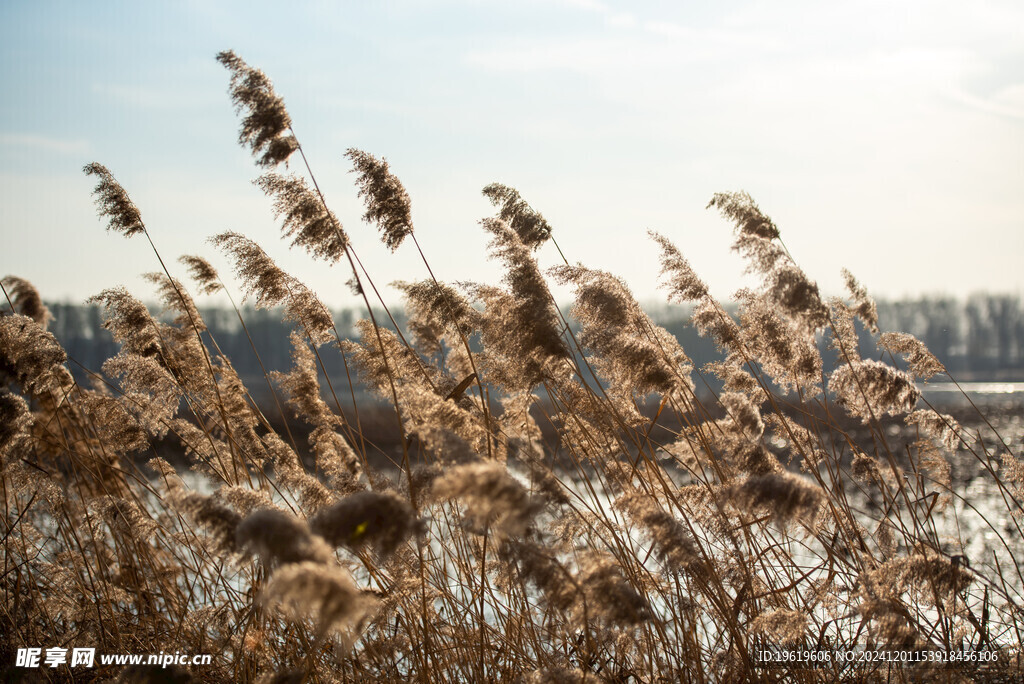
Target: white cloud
<point>589,5</point>
<point>1007,102</point>
<point>44,143</point>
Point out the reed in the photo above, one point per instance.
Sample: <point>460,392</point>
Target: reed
<point>616,544</point>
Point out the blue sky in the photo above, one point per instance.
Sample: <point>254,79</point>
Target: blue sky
<point>886,137</point>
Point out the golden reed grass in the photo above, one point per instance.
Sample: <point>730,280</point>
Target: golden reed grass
<point>777,514</point>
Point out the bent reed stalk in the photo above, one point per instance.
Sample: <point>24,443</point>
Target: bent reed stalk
<point>540,523</point>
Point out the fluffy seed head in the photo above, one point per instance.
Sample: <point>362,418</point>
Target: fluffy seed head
<point>783,347</point>
<point>260,275</point>
<point>744,414</point>
<point>203,272</point>
<point>272,287</point>
<point>608,594</point>
<point>941,427</point>
<point>434,308</point>
<point>326,591</point>
<point>525,307</point>
<point>305,218</point>
<point>219,520</point>
<point>865,469</point>
<point>130,321</point>
<point>674,544</point>
<point>712,320</point>
<point>115,425</point>
<point>924,570</point>
<point>492,496</point>
<point>871,387</point>
<point>380,520</point>
<point>922,362</point>
<point>863,305</point>
<point>540,567</point>
<point>144,377</point>
<point>632,352</point>
<point>784,627</point>
<point>797,296</point>
<point>678,277</point>
<point>387,203</point>
<point>26,300</point>
<point>740,208</point>
<point>175,297</point>
<point>843,336</point>
<point>266,119</point>
<point>528,224</point>
<point>556,675</point>
<point>278,537</point>
<point>29,355</point>
<point>785,495</point>
<point>14,421</point>
<point>113,202</point>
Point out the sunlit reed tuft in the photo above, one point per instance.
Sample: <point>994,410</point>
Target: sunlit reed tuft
<point>529,225</point>
<point>387,203</point>
<point>306,220</point>
<point>113,202</point>
<point>203,273</point>
<point>266,123</point>
<point>26,300</point>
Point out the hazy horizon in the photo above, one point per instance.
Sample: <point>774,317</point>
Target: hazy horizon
<point>881,137</point>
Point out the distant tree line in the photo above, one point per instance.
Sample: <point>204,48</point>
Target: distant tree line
<point>980,338</point>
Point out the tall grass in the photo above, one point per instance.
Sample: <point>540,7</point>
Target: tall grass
<point>778,513</point>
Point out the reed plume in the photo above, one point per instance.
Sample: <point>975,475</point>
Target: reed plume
<point>785,496</point>
<point>740,208</point>
<point>922,362</point>
<point>334,456</point>
<point>326,592</point>
<point>631,351</point>
<point>203,273</point>
<point>279,538</point>
<point>129,321</point>
<point>387,203</point>
<point>220,521</point>
<point>31,357</point>
<point>272,287</point>
<point>526,306</point>
<point>266,125</point>
<point>867,388</point>
<point>493,498</point>
<point>608,595</point>
<point>175,298</point>
<point>783,627</point>
<point>863,305</point>
<point>377,519</point>
<point>113,202</point>
<point>14,422</point>
<point>531,227</point>
<point>435,309</point>
<point>673,542</point>
<point>25,299</point>
<point>678,277</point>
<point>306,220</point>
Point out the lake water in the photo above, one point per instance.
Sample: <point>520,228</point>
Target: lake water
<point>973,388</point>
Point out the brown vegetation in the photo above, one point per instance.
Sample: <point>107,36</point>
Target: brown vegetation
<point>670,545</point>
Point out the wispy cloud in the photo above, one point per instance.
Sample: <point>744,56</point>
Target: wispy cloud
<point>612,17</point>
<point>164,97</point>
<point>630,42</point>
<point>653,49</point>
<point>43,143</point>
<point>1007,102</point>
